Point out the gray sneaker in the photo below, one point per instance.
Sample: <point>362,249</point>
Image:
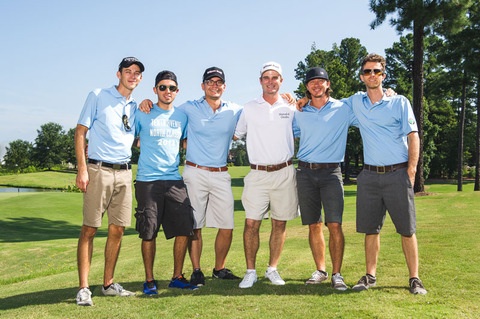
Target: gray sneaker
<point>365,282</point>
<point>317,278</point>
<point>84,297</point>
<point>117,290</point>
<point>416,287</point>
<point>338,283</point>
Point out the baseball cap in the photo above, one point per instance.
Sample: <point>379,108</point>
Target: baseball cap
<point>271,66</point>
<point>128,61</point>
<point>166,75</point>
<point>213,72</point>
<point>316,73</point>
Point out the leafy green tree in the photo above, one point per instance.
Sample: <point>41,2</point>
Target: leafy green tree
<point>70,147</point>
<point>18,155</point>
<point>423,17</point>
<point>50,145</point>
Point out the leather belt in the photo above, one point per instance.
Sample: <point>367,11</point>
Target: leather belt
<point>210,169</point>
<point>110,165</point>
<point>317,165</point>
<point>385,169</point>
<point>271,168</point>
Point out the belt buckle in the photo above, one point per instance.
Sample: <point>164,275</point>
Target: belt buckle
<point>270,168</point>
<point>117,166</point>
<point>382,170</point>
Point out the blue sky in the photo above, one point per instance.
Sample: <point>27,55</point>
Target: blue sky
<point>53,52</point>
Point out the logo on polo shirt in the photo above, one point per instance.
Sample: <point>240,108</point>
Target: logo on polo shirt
<point>411,120</point>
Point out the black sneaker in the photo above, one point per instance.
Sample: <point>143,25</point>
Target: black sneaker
<point>223,274</point>
<point>416,287</point>
<point>197,278</point>
<point>365,282</point>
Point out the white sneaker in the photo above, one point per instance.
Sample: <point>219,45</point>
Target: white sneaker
<point>84,297</point>
<point>248,280</point>
<point>117,290</point>
<point>317,278</point>
<point>274,277</point>
<point>338,283</point>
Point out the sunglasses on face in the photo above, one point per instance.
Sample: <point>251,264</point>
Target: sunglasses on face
<point>212,82</point>
<point>376,72</point>
<point>126,125</point>
<point>172,88</point>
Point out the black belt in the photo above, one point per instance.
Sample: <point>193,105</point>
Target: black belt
<point>317,165</point>
<point>385,169</point>
<point>110,165</point>
<point>206,168</point>
<point>271,168</point>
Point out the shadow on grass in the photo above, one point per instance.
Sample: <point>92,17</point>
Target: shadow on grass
<point>212,287</point>
<point>24,229</point>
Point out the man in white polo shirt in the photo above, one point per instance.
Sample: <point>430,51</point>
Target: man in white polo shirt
<point>267,124</point>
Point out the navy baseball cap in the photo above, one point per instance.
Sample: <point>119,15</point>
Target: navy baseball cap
<point>213,72</point>
<point>166,75</point>
<point>128,61</point>
<point>316,73</point>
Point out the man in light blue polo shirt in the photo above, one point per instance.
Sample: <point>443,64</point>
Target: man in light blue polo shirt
<point>391,150</point>
<point>159,189</point>
<point>106,180</point>
<point>211,124</point>
<point>322,127</point>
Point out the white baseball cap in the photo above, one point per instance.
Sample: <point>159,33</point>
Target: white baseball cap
<point>274,66</point>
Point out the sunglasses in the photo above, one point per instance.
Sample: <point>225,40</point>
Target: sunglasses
<point>212,82</point>
<point>172,88</point>
<point>126,125</point>
<point>376,72</point>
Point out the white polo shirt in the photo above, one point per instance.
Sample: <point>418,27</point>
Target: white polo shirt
<point>268,131</point>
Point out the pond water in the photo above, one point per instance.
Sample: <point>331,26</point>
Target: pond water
<point>24,190</point>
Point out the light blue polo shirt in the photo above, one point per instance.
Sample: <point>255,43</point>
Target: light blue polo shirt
<point>210,134</point>
<point>160,134</point>
<point>323,132</point>
<point>384,127</point>
<point>102,113</point>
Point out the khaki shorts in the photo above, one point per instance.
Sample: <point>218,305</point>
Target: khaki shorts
<point>109,190</point>
<point>276,191</point>
<point>211,197</point>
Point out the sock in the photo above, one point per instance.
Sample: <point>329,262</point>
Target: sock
<point>251,271</point>
<point>270,269</point>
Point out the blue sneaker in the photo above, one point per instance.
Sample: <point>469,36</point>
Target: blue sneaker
<point>150,287</point>
<point>182,283</point>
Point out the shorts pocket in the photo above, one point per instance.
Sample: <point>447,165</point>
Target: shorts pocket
<point>141,222</point>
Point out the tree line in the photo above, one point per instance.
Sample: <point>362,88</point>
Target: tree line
<point>436,66</point>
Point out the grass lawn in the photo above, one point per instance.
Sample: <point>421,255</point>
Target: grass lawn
<point>38,277</point>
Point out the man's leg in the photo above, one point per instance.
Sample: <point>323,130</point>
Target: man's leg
<point>112,250</point>
<point>149,248</point>
<point>84,254</point>
<point>222,246</point>
<point>195,245</point>
<point>277,240</point>
<point>179,252</point>
<point>336,246</point>
<point>317,244</point>
<point>372,248</point>
<point>410,250</point>
<point>251,241</point>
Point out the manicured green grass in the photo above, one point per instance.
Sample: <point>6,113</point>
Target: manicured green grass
<point>38,277</point>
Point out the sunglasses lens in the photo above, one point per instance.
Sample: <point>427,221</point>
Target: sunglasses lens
<point>374,71</point>
<point>164,87</point>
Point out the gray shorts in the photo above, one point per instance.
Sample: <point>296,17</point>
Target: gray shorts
<point>319,188</point>
<point>163,203</point>
<point>377,193</point>
<point>211,196</point>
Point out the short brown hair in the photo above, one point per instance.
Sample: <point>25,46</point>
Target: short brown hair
<point>373,57</point>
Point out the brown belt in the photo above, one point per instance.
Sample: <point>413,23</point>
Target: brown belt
<point>317,165</point>
<point>271,168</point>
<point>210,169</point>
<point>385,169</point>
